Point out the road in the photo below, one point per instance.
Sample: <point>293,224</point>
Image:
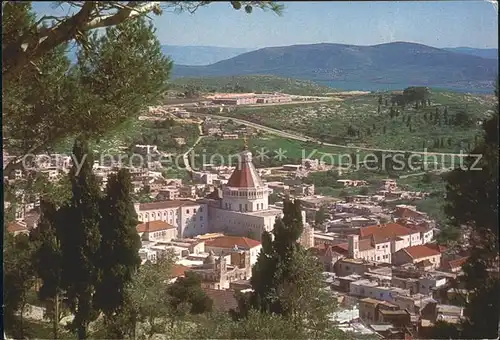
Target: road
<point>305,138</point>
<point>186,154</point>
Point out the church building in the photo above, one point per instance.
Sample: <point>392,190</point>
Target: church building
<point>240,208</point>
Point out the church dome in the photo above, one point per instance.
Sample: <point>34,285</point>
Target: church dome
<point>245,175</point>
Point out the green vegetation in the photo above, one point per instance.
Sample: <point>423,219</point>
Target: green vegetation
<point>478,209</point>
<point>448,124</point>
<point>132,132</point>
<point>251,83</point>
<point>103,89</point>
<point>292,151</point>
<point>287,281</point>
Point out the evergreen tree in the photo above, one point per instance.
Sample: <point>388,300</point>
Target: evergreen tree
<point>47,260</point>
<point>80,238</point>
<point>188,290</point>
<point>478,209</point>
<point>425,115</point>
<point>386,103</point>
<point>287,280</point>
<point>379,100</point>
<point>120,244</point>
<point>94,84</point>
<point>19,278</point>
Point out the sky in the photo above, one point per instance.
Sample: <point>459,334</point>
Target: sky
<point>467,23</point>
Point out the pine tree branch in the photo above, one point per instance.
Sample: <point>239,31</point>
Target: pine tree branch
<point>125,12</point>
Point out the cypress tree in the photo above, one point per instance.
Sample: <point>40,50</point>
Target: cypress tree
<point>47,260</point>
<point>285,273</point>
<point>120,243</point>
<point>80,238</point>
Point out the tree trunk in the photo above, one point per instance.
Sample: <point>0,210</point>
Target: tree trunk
<point>56,315</point>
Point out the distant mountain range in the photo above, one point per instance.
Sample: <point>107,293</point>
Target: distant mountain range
<point>200,55</point>
<point>489,53</point>
<point>391,63</point>
<point>192,55</point>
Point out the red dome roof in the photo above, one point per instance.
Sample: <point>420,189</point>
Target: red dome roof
<point>245,175</point>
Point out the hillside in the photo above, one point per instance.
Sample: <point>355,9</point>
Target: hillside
<point>488,53</point>
<point>252,83</point>
<point>447,124</point>
<point>200,55</point>
<point>400,62</point>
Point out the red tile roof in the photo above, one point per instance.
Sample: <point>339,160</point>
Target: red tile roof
<point>407,213</point>
<point>421,251</point>
<point>341,248</point>
<point>178,270</point>
<point>385,231</point>
<point>437,247</point>
<point>457,263</point>
<point>153,226</point>
<point>228,242</point>
<point>245,175</point>
<point>166,205</point>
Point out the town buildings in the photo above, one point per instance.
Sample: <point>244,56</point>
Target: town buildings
<point>241,207</point>
<point>250,98</point>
